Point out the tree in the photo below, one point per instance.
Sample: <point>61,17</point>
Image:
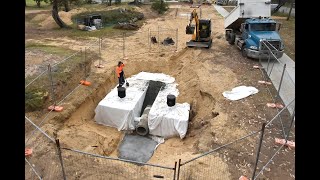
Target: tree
<point>66,5</point>
<point>292,2</point>
<point>55,14</point>
<point>160,6</point>
<point>39,2</point>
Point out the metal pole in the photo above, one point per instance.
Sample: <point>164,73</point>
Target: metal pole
<point>85,60</point>
<point>60,157</point>
<point>174,170</point>
<point>52,88</point>
<point>123,48</point>
<point>179,164</point>
<point>149,39</point>
<point>177,39</point>
<point>293,116</point>
<point>159,39</point>
<point>100,42</point>
<point>268,61</point>
<point>272,68</point>
<point>258,153</point>
<point>284,68</point>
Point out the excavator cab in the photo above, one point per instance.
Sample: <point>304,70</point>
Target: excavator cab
<point>204,28</point>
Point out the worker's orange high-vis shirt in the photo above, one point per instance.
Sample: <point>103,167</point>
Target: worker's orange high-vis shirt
<point>119,69</point>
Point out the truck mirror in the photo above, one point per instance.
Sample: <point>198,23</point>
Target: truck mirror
<point>241,27</point>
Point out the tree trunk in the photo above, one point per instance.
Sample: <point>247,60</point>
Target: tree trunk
<point>109,3</point>
<point>290,10</point>
<point>38,3</point>
<point>55,15</point>
<point>66,5</point>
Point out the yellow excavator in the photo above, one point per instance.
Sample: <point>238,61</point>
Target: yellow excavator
<point>201,31</point>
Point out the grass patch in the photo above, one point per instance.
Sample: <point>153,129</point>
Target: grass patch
<point>35,99</point>
<point>49,49</point>
<point>112,16</point>
<point>32,5</point>
<point>109,18</point>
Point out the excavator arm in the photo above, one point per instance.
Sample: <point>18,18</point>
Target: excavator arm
<point>193,29</point>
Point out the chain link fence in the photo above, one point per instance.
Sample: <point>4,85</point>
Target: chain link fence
<point>84,165</point>
<point>43,163</point>
<point>229,161</point>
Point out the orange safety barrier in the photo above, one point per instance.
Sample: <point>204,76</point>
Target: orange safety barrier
<point>257,67</point>
<point>265,82</point>
<point>27,152</point>
<point>275,105</point>
<point>55,108</point>
<point>290,144</point>
<point>243,178</point>
<point>86,83</point>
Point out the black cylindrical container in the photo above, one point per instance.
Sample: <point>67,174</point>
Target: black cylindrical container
<point>171,100</point>
<point>121,92</point>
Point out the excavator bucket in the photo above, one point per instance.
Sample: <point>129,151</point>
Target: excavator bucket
<point>205,44</point>
<point>190,29</point>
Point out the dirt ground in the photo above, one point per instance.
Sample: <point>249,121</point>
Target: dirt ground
<point>202,75</point>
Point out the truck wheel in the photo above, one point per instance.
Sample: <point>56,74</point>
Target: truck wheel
<point>227,35</point>
<point>244,51</point>
<point>232,38</point>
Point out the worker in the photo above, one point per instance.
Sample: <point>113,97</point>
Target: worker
<point>120,73</point>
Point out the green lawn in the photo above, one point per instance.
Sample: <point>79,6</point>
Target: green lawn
<point>32,5</point>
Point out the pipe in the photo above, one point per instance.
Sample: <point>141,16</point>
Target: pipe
<point>142,127</point>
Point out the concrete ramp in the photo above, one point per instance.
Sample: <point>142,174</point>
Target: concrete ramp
<point>137,148</point>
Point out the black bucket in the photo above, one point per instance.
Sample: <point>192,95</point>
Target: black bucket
<point>121,92</point>
<point>171,100</point>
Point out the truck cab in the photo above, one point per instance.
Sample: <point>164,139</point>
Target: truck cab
<point>251,29</point>
<point>258,37</point>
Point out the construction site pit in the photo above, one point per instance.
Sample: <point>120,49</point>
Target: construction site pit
<point>202,75</point>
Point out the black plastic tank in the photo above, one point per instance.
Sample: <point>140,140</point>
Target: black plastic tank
<point>171,100</point>
<point>121,92</point>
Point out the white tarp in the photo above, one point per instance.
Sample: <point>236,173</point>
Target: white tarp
<point>120,112</point>
<point>240,92</point>
<point>163,120</point>
<point>168,121</point>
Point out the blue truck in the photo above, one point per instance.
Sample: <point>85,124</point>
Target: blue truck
<point>251,29</point>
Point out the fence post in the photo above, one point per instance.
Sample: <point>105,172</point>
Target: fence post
<point>52,88</point>
<point>268,59</point>
<point>175,168</point>
<point>177,39</point>
<point>179,164</point>
<point>284,68</point>
<point>60,157</point>
<point>100,43</point>
<point>293,115</point>
<point>149,39</point>
<point>85,66</point>
<point>258,152</point>
<point>123,44</point>
<point>158,39</point>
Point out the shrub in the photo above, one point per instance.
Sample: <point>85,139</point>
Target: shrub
<point>160,6</point>
<point>35,99</point>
